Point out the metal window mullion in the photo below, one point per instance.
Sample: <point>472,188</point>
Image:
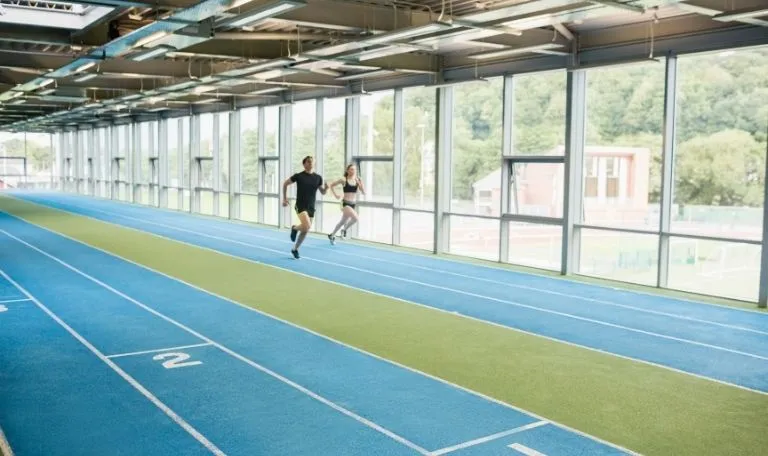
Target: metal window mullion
<point>135,152</point>
<point>92,164</point>
<point>61,156</point>
<point>284,151</point>
<point>352,129</point>
<point>397,164</point>
<point>507,148</point>
<point>216,153</point>
<point>444,150</point>
<point>262,146</point>
<point>575,128</point>
<point>319,154</point>
<point>667,169</point>
<point>194,164</point>
<point>235,155</point>
<point>762,299</point>
<point>163,165</point>
<point>180,163</point>
<point>113,137</point>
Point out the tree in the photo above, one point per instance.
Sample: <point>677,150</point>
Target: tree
<point>723,169</point>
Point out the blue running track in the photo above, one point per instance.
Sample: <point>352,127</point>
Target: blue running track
<point>102,356</point>
<point>257,385</point>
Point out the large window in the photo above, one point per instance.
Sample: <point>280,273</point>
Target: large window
<point>622,157</point>
<point>271,124</point>
<point>377,123</point>
<point>475,159</point>
<point>538,119</point>
<point>249,150</point>
<point>722,121</point>
<point>626,257</point>
<point>419,125</point>
<point>303,132</point>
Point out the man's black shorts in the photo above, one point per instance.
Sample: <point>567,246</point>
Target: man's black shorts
<point>309,210</point>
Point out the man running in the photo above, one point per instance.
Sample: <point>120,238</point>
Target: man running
<point>307,185</point>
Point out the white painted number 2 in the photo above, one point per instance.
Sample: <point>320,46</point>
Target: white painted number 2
<point>176,360</point>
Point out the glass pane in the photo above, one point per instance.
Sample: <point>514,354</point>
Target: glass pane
<point>477,128</point>
<point>143,153</point>
<point>417,230</point>
<point>375,224</point>
<point>622,158</point>
<point>727,269</point>
<point>419,147</point>
<point>377,180</point>
<point>271,122</point>
<point>303,134</point>
<point>534,189</point>
<point>223,205</point>
<point>334,115</point>
<point>627,257</point>
<point>722,122</point>
<point>249,150</point>
<point>539,246</point>
<point>271,208</point>
<point>40,159</point>
<point>223,152</point>
<point>206,202</point>
<point>206,174</point>
<point>377,123</point>
<point>539,114</point>
<point>206,135</point>
<point>185,153</point>
<point>249,208</point>
<point>173,198</point>
<point>271,177</point>
<point>330,216</point>
<point>474,237</point>
<point>173,154</point>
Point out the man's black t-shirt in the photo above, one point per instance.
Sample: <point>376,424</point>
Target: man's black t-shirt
<point>306,189</point>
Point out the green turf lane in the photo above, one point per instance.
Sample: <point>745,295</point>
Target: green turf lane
<point>647,409</point>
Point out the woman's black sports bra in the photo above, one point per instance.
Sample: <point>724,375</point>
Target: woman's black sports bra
<point>349,188</point>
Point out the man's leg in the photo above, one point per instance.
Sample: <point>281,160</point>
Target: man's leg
<point>305,222</point>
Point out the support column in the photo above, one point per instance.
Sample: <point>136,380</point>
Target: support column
<point>352,130</point>
<point>444,142</point>
<point>194,168</point>
<point>576,111</point>
<point>507,150</point>
<point>216,152</point>
<point>284,151</point>
<point>135,160</point>
<point>762,300</point>
<point>397,164</point>
<point>162,162</point>
<point>667,169</point>
<point>234,165</point>
<point>319,157</point>
<point>262,146</point>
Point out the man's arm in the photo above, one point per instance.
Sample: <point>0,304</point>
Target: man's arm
<point>323,186</point>
<point>287,182</point>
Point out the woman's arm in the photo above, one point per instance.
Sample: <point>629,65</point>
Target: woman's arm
<point>360,183</point>
<point>333,186</point>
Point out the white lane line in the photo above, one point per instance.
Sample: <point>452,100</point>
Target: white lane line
<point>439,259</point>
<point>159,404</point>
<point>121,355</point>
<point>331,339</point>
<point>5,447</point>
<point>374,293</point>
<point>510,285</point>
<point>487,438</point>
<point>232,353</point>
<point>8,301</point>
<point>467,293</point>
<point>520,448</point>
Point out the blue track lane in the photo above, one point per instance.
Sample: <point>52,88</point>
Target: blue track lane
<point>720,343</point>
<point>257,386</point>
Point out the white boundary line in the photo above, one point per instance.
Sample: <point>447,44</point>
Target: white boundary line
<point>144,352</point>
<point>487,438</point>
<point>522,449</point>
<point>167,410</point>
<point>230,352</point>
<point>454,290</point>
<point>392,249</point>
<point>518,286</point>
<point>8,301</point>
<point>469,317</point>
<point>5,447</point>
<point>352,347</point>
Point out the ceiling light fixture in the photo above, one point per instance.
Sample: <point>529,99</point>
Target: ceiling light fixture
<point>150,38</point>
<point>264,12</point>
<point>409,32</point>
<point>86,77</point>
<point>741,14</point>
<point>152,53</point>
<point>514,51</point>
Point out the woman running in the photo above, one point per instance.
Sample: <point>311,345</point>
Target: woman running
<point>351,185</point>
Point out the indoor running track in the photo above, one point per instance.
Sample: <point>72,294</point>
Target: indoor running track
<point>720,343</point>
<point>109,357</point>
